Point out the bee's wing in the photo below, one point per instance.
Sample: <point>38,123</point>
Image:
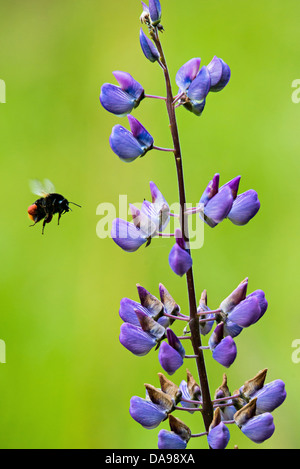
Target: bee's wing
<point>48,186</point>
<point>41,189</point>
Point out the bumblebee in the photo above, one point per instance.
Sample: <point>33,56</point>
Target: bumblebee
<point>48,204</point>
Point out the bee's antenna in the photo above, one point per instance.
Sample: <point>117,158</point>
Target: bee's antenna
<point>75,204</point>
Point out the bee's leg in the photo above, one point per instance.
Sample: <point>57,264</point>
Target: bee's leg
<point>59,215</point>
<point>44,223</point>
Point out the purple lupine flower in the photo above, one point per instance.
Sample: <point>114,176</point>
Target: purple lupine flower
<point>247,312</point>
<point>271,396</point>
<point>145,412</point>
<point>152,218</point>
<point>155,11</point>
<point>223,202</point>
<point>129,145</point>
<point>121,100</point>
<point>149,49</point>
<point>244,207</point>
<point>194,84</point>
<point>170,440</point>
<point>171,354</point>
<point>179,258</point>
<point>217,203</point>
<point>219,74</point>
<point>224,349</point>
<point>219,436</point>
<point>259,428</point>
<point>141,339</point>
<point>239,310</point>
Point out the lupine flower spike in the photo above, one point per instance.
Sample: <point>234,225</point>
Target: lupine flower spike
<point>151,322</point>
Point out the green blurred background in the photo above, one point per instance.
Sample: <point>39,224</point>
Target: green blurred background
<point>67,381</point>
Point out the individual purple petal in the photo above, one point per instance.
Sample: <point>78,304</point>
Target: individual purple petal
<point>244,207</point>
<point>232,329</point>
<point>199,87</point>
<point>126,235</point>
<point>271,396</point>
<point>187,73</point>
<point>130,85</point>
<point>215,70</point>
<point>218,207</point>
<point>155,11</point>
<point>218,437</point>
<point>211,190</point>
<point>134,339</point>
<point>124,144</point>
<point>127,311</point>
<point>260,295</point>
<point>179,259</point>
<point>175,342</point>
<point>259,428</point>
<point>246,312</point>
<point>116,100</point>
<point>233,185</point>
<point>170,440</point>
<point>146,413</point>
<point>225,77</point>
<point>148,48</point>
<point>145,7</point>
<point>140,133</point>
<point>225,352</point>
<point>169,358</point>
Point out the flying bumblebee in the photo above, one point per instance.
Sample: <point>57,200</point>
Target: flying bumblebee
<point>48,204</point>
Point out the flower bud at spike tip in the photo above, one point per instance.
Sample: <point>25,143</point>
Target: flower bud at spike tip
<point>179,259</point>
<point>148,48</point>
<point>155,11</point>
